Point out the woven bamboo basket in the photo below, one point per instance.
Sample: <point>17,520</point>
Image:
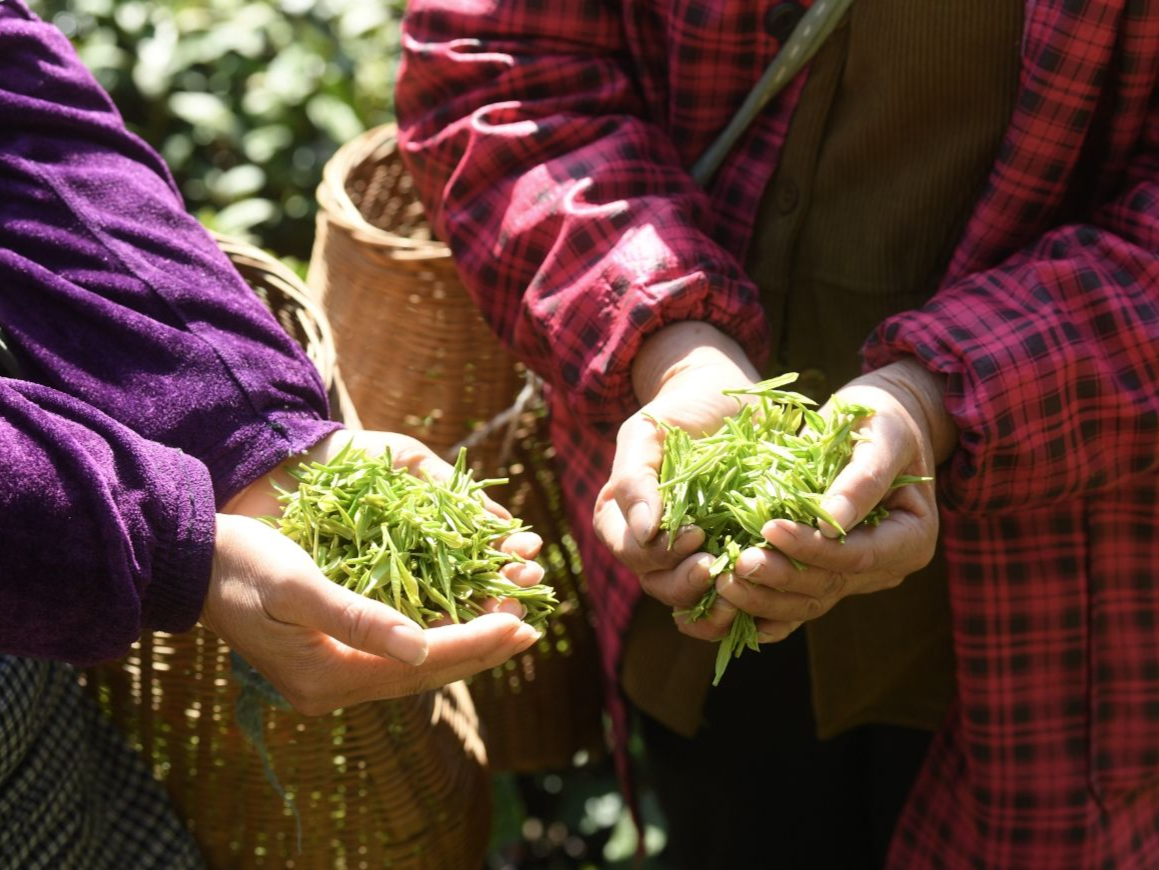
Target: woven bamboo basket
<point>419,358</point>
<point>400,784</point>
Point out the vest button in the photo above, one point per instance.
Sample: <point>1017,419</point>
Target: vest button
<point>786,196</point>
<point>780,20</point>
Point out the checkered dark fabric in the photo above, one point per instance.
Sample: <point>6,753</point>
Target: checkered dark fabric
<point>549,141</point>
<point>73,794</point>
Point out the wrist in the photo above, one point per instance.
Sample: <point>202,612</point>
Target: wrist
<point>927,391</point>
<point>259,497</point>
<point>665,354</point>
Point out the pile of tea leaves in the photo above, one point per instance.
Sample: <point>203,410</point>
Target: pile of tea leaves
<point>774,459</point>
<point>426,547</point>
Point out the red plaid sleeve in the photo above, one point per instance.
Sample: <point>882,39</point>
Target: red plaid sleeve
<point>1052,356</point>
<point>572,219</point>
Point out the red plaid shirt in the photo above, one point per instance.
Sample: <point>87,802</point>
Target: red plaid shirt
<point>550,142</point>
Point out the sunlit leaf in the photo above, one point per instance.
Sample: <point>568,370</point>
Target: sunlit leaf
<point>237,183</point>
<point>244,215</point>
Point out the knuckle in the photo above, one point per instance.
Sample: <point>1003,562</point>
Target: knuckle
<point>308,703</point>
<point>631,429</point>
<point>357,624</point>
<point>834,584</point>
<point>605,495</point>
<point>879,477</point>
<point>814,607</point>
<point>893,580</point>
<point>277,600</point>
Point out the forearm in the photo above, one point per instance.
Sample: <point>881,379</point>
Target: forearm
<point>1048,366</point>
<point>104,533</point>
<point>112,293</point>
<point>574,224</point>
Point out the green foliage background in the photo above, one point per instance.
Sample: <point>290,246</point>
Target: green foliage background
<point>245,100</point>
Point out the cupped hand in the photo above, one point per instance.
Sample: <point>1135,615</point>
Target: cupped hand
<point>260,498</point>
<point>324,646</point>
<point>908,434</point>
<point>679,376</point>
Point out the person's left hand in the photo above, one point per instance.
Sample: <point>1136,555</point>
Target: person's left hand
<point>909,433</point>
<point>260,498</point>
<point>321,645</point>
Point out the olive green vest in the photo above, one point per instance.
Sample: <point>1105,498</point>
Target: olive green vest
<point>897,128</point>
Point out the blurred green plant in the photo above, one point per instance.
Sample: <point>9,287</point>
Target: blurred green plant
<point>245,99</point>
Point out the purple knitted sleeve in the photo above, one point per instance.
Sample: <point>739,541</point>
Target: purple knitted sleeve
<point>169,386</point>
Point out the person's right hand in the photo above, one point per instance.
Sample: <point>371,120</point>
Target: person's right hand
<point>678,376</point>
<point>324,646</point>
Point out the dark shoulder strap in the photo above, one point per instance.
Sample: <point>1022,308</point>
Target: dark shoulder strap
<point>808,36</point>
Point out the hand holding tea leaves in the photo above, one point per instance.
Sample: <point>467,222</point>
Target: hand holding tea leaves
<point>775,460</point>
<point>803,572</point>
<point>324,646</point>
<point>426,546</point>
<point>908,435</point>
<point>678,375</point>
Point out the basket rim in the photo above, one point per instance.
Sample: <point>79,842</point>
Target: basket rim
<point>336,205</point>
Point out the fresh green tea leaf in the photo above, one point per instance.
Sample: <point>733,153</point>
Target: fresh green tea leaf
<point>422,546</point>
<point>775,458</point>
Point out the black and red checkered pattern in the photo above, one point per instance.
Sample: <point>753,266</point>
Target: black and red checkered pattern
<point>550,140</point>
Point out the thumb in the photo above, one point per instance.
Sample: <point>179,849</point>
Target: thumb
<point>860,486</point>
<point>311,600</point>
<point>635,476</point>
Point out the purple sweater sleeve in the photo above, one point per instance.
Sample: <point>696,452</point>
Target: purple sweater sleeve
<point>155,385</point>
<point>104,532</point>
<point>111,293</point>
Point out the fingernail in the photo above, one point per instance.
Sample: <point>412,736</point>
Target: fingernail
<point>513,606</point>
<point>700,572</point>
<point>527,635</point>
<point>640,522</point>
<point>521,542</point>
<point>526,574</point>
<point>782,526</point>
<point>843,511</point>
<point>689,540</point>
<point>408,644</point>
<point>723,607</point>
<point>752,571</point>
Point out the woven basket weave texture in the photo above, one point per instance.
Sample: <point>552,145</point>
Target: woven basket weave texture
<point>419,358</point>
